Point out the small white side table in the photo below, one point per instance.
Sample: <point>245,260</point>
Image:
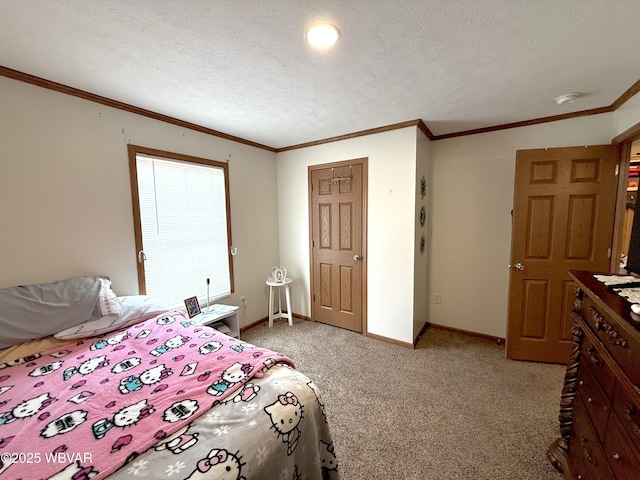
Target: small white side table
<point>279,314</point>
<point>227,314</point>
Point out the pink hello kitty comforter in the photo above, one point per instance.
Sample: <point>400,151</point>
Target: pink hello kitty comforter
<point>161,399</point>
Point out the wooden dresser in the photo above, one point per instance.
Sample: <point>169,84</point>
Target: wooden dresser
<point>600,403</point>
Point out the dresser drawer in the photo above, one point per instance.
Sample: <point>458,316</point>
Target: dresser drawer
<point>627,408</point>
<point>622,456</point>
<point>590,357</point>
<point>586,457</point>
<point>595,402</point>
<point>615,339</point>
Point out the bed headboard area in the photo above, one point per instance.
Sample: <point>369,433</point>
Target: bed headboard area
<point>68,308</point>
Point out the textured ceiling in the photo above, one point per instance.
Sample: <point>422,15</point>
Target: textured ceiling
<point>242,67</point>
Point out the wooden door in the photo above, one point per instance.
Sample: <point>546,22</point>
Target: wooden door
<point>337,243</point>
<point>563,217</point>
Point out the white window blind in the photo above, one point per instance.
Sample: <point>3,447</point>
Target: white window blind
<point>183,216</point>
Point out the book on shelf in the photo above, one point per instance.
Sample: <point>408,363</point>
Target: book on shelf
<point>221,327</point>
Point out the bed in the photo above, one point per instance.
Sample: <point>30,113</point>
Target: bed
<point>122,388</point>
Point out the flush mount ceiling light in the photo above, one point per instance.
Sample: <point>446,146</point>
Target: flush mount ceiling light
<point>322,35</point>
<point>567,98</point>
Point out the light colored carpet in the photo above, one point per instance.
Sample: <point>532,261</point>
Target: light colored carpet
<point>453,408</point>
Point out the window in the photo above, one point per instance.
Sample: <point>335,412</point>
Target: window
<point>182,226</point>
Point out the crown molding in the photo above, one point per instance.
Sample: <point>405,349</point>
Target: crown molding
<point>411,123</point>
<point>419,123</point>
<point>75,92</point>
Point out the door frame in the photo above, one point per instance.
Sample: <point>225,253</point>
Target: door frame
<point>625,139</point>
<point>364,161</point>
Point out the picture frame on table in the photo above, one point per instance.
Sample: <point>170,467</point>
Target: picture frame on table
<point>193,306</point>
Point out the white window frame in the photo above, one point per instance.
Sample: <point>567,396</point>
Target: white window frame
<point>200,287</point>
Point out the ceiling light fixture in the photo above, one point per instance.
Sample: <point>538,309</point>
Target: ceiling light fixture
<point>322,35</point>
<point>567,98</point>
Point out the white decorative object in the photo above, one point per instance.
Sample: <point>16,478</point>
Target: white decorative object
<point>279,274</point>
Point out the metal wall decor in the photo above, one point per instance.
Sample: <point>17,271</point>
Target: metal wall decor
<point>423,213</point>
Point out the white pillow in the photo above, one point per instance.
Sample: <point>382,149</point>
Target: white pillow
<point>133,309</point>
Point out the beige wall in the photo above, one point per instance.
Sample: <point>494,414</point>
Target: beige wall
<point>65,206</point>
<point>65,201</point>
<point>391,224</point>
<point>627,115</point>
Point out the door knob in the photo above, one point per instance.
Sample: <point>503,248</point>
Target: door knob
<point>357,257</point>
<point>518,266</point>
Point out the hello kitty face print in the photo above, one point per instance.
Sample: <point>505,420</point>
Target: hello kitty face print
<point>125,417</point>
<point>219,464</point>
<point>132,414</point>
<point>286,413</point>
<point>232,375</point>
<point>111,341</point>
<point>172,343</point>
<point>27,408</point>
<point>150,376</point>
<point>328,461</point>
<point>30,407</point>
<point>87,367</point>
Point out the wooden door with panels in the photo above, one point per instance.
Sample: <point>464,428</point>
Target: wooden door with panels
<point>337,218</point>
<point>563,219</point>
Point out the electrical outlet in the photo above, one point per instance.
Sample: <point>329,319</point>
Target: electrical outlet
<point>437,298</point>
<point>243,300</point>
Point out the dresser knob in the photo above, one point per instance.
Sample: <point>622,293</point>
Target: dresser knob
<point>589,400</point>
<point>595,360</point>
<point>581,383</point>
<point>616,457</point>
